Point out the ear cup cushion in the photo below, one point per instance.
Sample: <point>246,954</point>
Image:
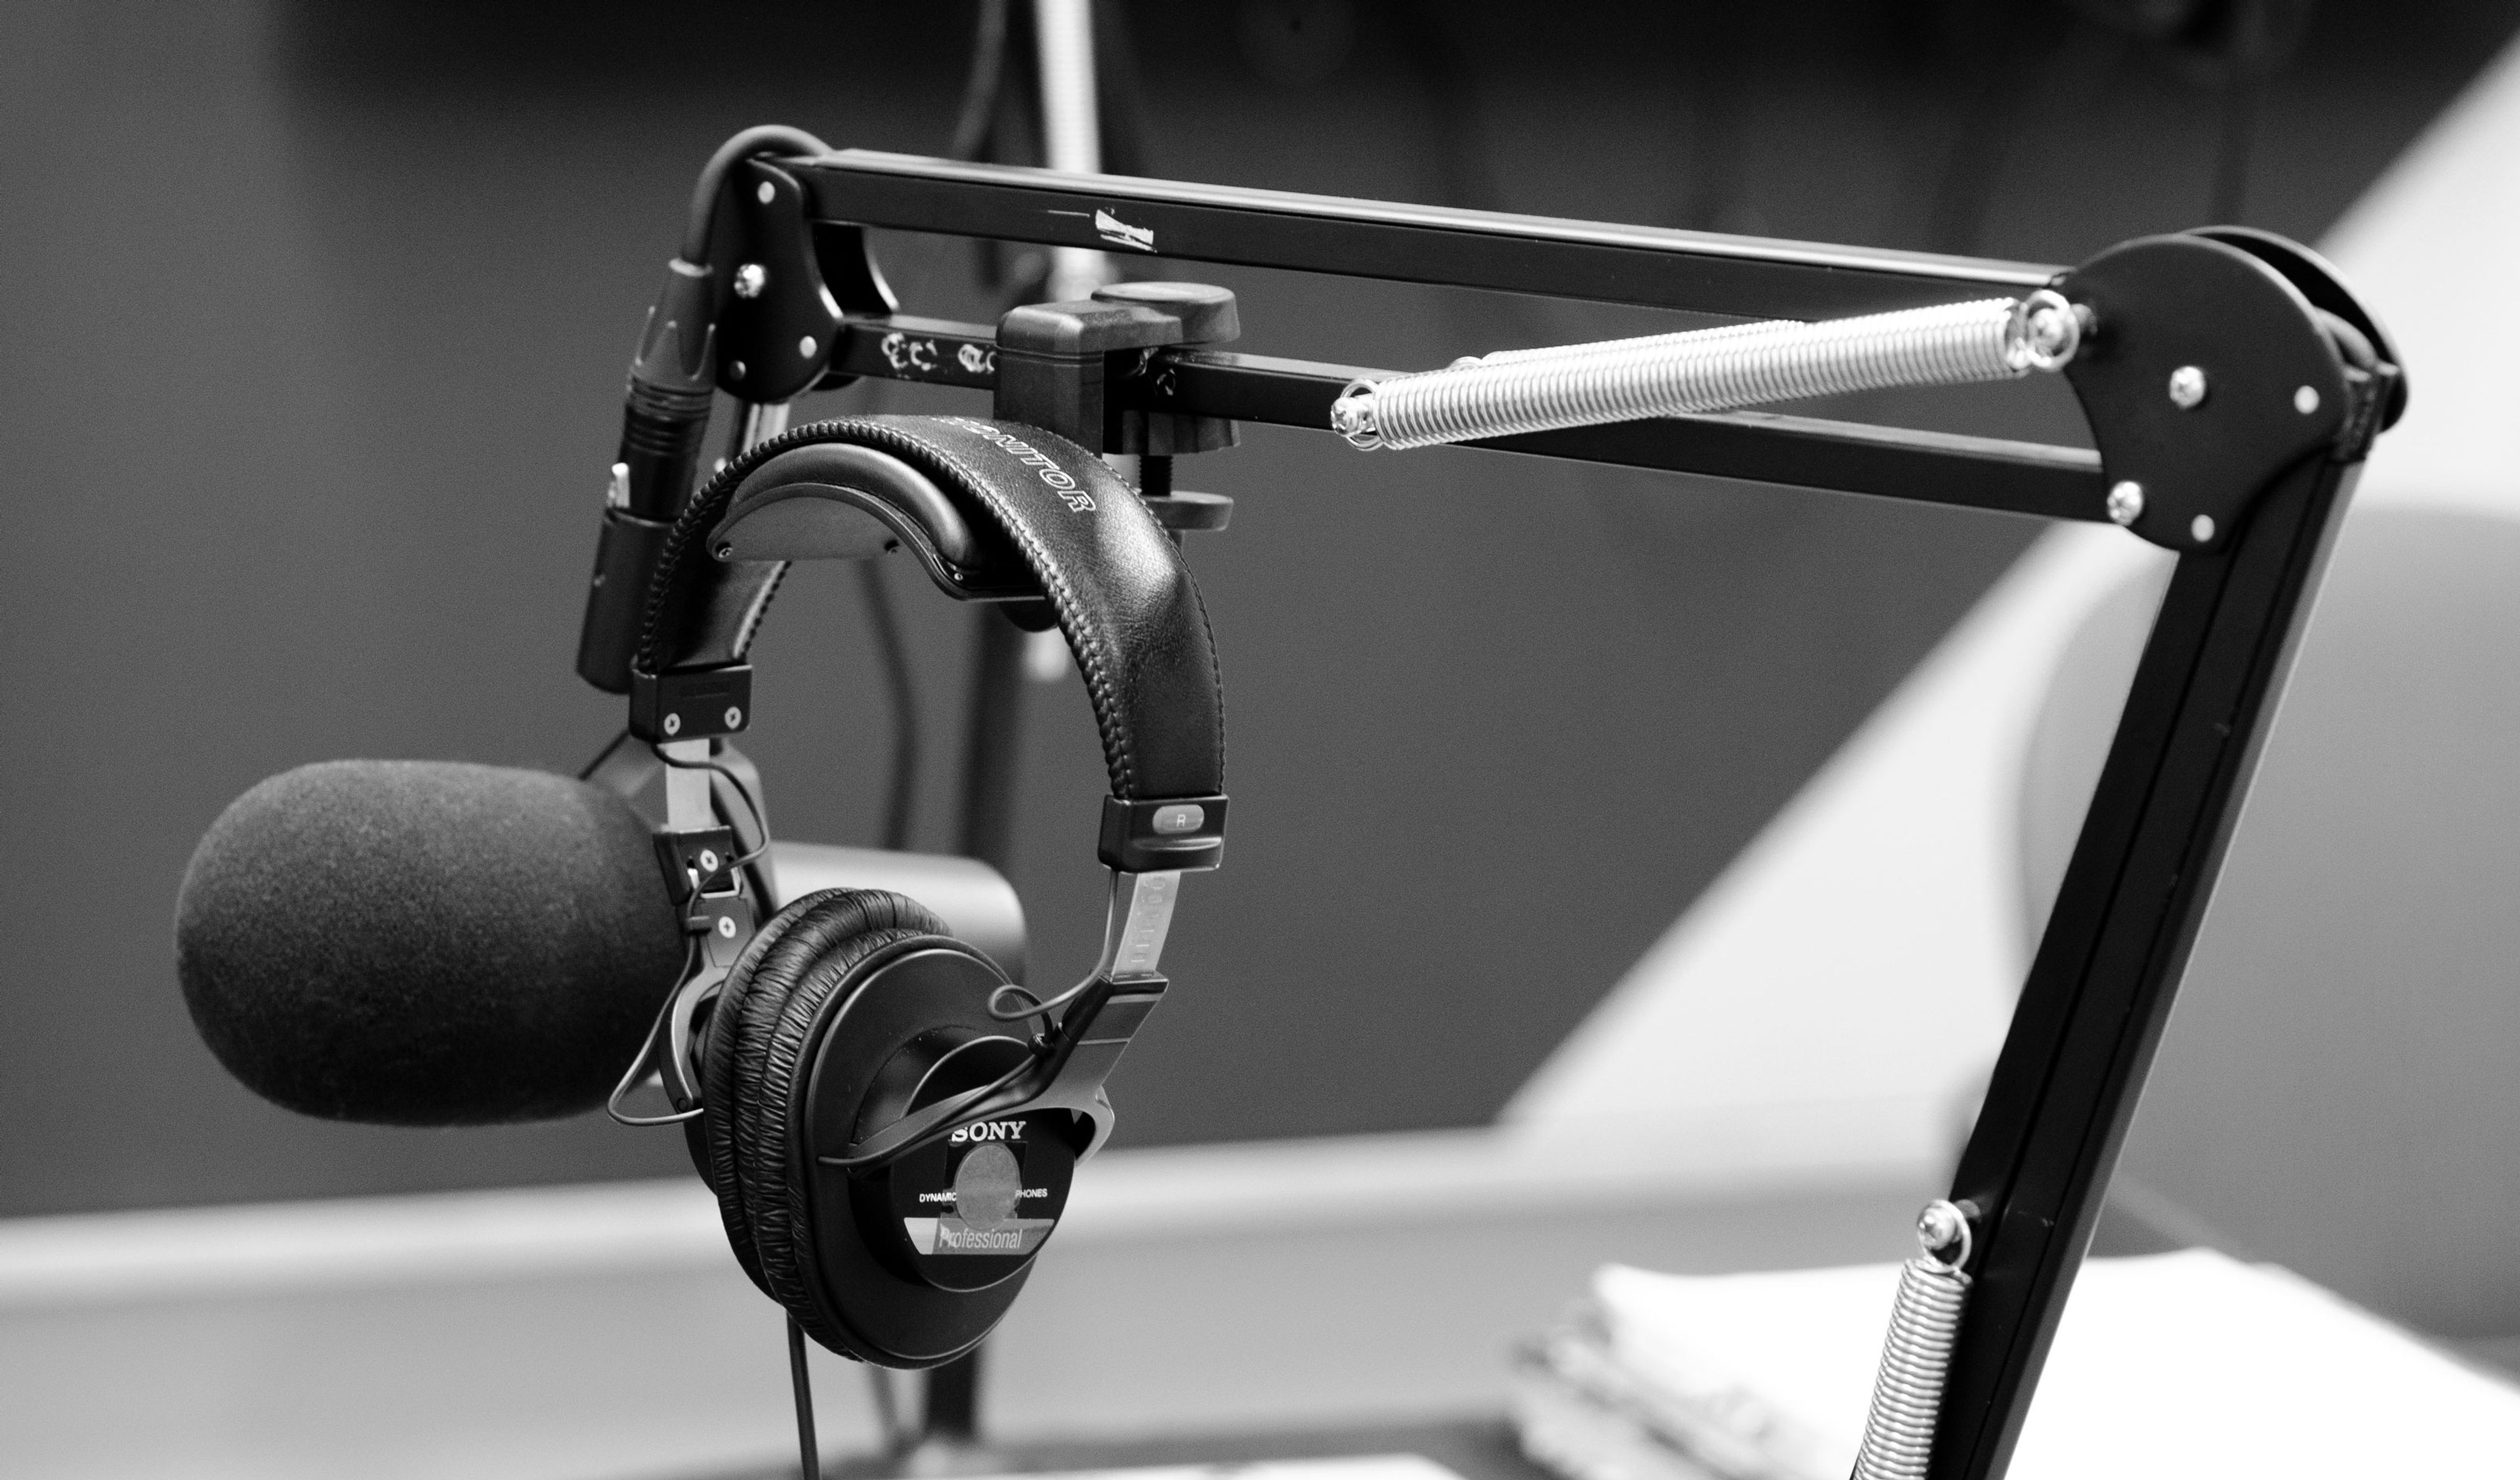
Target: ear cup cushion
<point>757,1040</point>
<point>715,1155</point>
<point>775,1195</point>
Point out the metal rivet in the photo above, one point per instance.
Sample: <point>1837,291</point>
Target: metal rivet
<point>733,717</point>
<point>673,724</point>
<point>726,550</point>
<point>806,346</point>
<point>2126,502</point>
<point>2202,527</point>
<point>2306,400</point>
<point>709,860</point>
<point>750,279</point>
<point>2186,386</point>
<point>734,372</point>
<point>766,194</point>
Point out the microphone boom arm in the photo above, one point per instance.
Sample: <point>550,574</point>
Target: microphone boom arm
<point>2232,385</point>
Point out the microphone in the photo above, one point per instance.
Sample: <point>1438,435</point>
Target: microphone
<point>426,943</point>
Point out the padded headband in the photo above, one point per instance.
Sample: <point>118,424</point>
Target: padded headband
<point>985,505</point>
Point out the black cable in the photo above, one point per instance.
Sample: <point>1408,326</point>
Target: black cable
<point>2018,70</point>
<point>887,1410</point>
<point>1120,104</point>
<point>758,819</point>
<point>1011,136</point>
<point>2250,52</point>
<point>809,1459</point>
<point>977,117</point>
<point>902,690</point>
<point>768,139</point>
<point>1465,172</point>
<point>1040,1006</point>
<point>2232,158</point>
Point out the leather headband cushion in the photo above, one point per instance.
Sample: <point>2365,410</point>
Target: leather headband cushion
<point>1123,597</point>
<point>748,1059</point>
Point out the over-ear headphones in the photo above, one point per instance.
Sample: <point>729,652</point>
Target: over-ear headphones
<point>888,1121</point>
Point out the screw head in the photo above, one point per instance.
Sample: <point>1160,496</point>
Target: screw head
<point>733,717</point>
<point>734,372</point>
<point>2202,528</point>
<point>750,279</point>
<point>726,925</point>
<point>673,724</point>
<point>2126,502</point>
<point>2306,400</point>
<point>806,346</point>
<point>2051,327</point>
<point>2044,331</point>
<point>766,194</point>
<point>709,860</point>
<point>2187,388</point>
<point>1943,1234</point>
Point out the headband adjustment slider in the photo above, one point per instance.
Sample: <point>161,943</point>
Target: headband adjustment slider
<point>1163,835</point>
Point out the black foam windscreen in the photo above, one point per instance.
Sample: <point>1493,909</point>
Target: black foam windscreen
<point>425,943</point>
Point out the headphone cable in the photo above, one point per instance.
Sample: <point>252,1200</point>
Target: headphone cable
<point>809,1459</point>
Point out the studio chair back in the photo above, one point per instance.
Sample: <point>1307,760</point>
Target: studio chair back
<point>2339,1086</point>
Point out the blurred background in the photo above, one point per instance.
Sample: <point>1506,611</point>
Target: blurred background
<point>313,367</point>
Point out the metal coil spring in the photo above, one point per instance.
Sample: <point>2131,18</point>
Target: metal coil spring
<point>1709,370</point>
<point>1908,1391</point>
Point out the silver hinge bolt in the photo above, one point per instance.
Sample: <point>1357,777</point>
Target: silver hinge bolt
<point>2187,388</point>
<point>2044,331</point>
<point>1944,1233</point>
<point>2126,503</point>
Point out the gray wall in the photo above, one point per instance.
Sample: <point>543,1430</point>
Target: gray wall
<point>312,364</point>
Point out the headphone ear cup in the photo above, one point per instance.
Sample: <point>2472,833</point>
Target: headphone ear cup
<point>756,1035</point>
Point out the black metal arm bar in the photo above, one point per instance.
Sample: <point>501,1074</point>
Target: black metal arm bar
<point>1643,265</point>
<point>1801,452</point>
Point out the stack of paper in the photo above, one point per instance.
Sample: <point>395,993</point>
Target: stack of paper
<point>2167,1365</point>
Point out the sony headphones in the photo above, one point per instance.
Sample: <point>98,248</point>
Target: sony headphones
<point>888,1121</point>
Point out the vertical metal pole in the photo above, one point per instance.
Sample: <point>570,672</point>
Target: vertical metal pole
<point>1072,128</point>
<point>953,1411</point>
<point>1072,140</point>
